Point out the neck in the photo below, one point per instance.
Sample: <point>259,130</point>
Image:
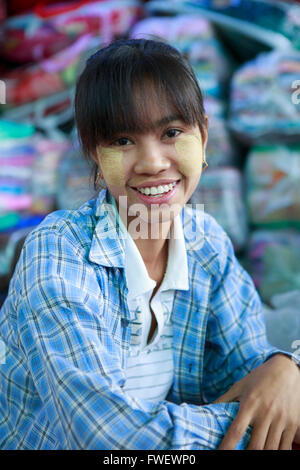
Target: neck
<point>154,251</point>
<point>151,239</point>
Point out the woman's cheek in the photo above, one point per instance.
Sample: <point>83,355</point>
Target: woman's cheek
<point>190,154</point>
<point>112,166</point>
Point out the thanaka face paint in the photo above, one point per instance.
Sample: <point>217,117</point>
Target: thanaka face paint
<point>111,164</point>
<point>190,154</point>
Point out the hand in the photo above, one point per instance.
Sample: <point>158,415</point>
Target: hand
<point>297,436</point>
<point>269,402</point>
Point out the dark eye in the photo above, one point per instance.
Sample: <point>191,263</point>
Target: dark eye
<point>172,133</point>
<point>122,141</point>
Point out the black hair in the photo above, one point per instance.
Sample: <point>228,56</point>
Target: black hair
<point>120,80</point>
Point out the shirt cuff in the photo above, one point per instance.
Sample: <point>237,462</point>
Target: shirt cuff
<point>293,356</point>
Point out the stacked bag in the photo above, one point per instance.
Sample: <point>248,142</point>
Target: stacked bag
<point>41,167</point>
<point>263,117</point>
<point>265,114</point>
<point>263,104</point>
<point>28,181</point>
<point>47,49</point>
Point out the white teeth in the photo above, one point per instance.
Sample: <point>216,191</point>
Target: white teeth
<point>154,190</point>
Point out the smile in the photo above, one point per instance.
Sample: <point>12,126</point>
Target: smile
<point>157,190</point>
<point>160,194</point>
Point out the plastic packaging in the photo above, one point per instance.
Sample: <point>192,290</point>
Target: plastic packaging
<point>50,76</point>
<point>221,192</point>
<point>194,37</point>
<point>263,106</point>
<point>273,186</point>
<point>283,321</point>
<point>74,182</point>
<point>268,22</point>
<point>47,30</point>
<point>50,114</point>
<point>274,261</point>
<point>220,149</point>
<point>45,172</point>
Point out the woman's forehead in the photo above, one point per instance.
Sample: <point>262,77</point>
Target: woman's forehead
<point>162,119</point>
<point>144,109</point>
<point>150,115</point>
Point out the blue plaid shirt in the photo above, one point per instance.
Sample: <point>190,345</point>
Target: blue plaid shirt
<point>66,329</point>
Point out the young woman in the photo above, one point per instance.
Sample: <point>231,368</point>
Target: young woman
<point>129,322</point>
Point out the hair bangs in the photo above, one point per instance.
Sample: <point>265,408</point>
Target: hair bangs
<point>127,84</point>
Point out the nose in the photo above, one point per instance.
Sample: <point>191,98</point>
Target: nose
<point>152,158</point>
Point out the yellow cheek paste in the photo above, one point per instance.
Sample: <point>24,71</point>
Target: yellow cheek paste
<point>190,154</point>
<point>111,164</point>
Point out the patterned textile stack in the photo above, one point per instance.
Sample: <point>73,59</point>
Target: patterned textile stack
<point>264,107</point>
<point>43,50</point>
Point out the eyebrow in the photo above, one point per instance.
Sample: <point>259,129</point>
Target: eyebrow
<point>166,120</point>
<point>161,122</point>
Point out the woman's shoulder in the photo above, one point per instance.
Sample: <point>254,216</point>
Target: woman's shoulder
<point>206,240</point>
<point>76,225</point>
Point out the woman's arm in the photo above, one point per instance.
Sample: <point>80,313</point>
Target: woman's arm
<point>270,402</point>
<point>240,365</point>
<point>76,368</point>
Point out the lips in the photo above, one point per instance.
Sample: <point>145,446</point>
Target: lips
<point>157,199</point>
<point>155,183</point>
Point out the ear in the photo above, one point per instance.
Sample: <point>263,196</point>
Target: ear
<point>94,156</point>
<point>205,132</point>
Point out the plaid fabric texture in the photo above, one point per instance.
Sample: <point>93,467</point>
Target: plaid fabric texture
<point>66,327</point>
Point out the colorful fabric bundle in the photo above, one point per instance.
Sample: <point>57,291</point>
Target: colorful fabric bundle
<point>273,185</point>
<point>17,154</point>
<point>50,76</point>
<point>45,31</point>
<point>50,114</point>
<point>2,11</point>
<point>271,19</point>
<point>281,17</point>
<point>28,171</point>
<point>221,192</point>
<point>274,261</point>
<point>194,37</point>
<point>263,106</point>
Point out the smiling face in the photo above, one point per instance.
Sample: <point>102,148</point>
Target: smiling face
<point>140,116</point>
<point>161,166</point>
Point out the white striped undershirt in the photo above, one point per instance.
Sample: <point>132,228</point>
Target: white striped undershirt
<point>150,368</point>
